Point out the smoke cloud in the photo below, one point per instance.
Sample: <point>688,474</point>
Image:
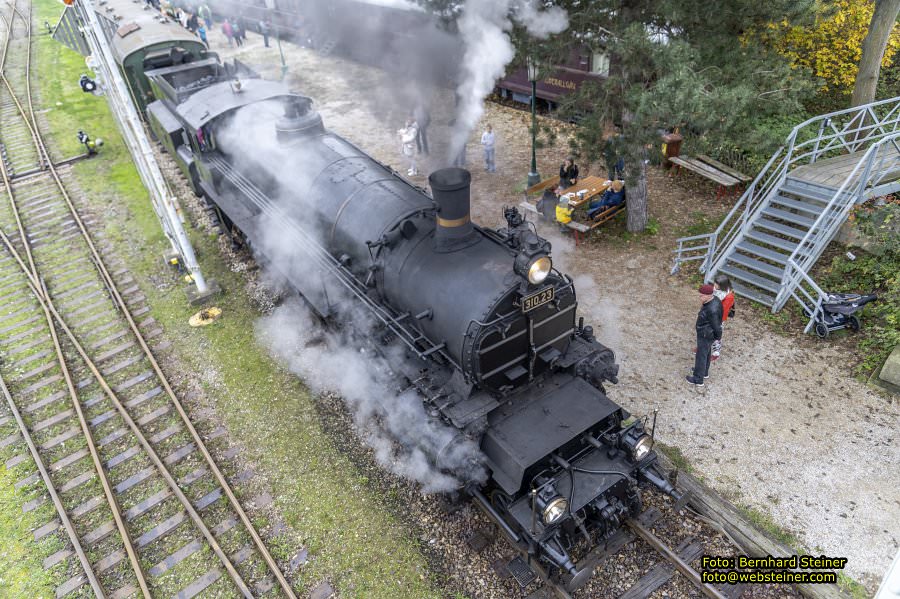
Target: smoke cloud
<point>484,29</point>
<point>393,422</point>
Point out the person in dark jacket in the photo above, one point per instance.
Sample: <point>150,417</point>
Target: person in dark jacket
<point>568,173</point>
<point>709,329</point>
<point>546,206</point>
<point>423,119</point>
<point>240,31</point>
<point>264,30</point>
<point>613,196</point>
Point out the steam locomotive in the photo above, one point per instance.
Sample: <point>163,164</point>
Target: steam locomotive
<point>487,325</point>
<point>476,320</point>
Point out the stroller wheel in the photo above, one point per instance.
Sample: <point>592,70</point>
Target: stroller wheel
<point>853,323</point>
<point>821,330</point>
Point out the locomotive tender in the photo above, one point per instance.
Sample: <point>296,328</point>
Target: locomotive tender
<point>487,326</point>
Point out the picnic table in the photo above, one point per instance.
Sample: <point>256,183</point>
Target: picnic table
<point>724,176</point>
<point>592,187</point>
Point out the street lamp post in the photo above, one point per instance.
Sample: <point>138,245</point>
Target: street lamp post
<point>284,67</point>
<point>533,177</point>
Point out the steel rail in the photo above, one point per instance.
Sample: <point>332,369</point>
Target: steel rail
<point>43,297</point>
<point>664,550</point>
<point>110,283</point>
<point>6,181</point>
<point>47,303</point>
<point>70,386</point>
<point>73,394</point>
<point>54,495</point>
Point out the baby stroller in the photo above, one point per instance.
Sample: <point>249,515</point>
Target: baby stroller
<point>839,312</point>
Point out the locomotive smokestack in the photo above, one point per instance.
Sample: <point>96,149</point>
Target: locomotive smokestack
<point>450,190</point>
<point>299,119</point>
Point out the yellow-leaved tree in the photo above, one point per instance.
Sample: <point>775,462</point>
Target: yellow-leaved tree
<point>831,47</point>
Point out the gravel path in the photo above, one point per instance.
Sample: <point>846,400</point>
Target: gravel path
<point>782,426</point>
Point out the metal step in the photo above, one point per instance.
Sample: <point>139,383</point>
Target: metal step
<point>784,244</point>
<point>771,225</point>
<point>812,208</point>
<point>748,277</point>
<point>754,294</point>
<point>790,217</point>
<point>758,250</point>
<point>808,190</point>
<point>521,571</point>
<point>757,265</point>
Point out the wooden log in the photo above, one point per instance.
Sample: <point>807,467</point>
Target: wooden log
<point>753,541</point>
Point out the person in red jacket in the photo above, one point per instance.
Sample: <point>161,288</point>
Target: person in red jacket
<point>725,293</point>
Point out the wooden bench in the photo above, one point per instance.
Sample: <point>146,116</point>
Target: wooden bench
<point>540,187</point>
<point>580,231</point>
<point>744,179</point>
<point>724,180</point>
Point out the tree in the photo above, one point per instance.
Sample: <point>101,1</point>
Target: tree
<point>672,66</point>
<point>875,50</point>
<point>843,33</point>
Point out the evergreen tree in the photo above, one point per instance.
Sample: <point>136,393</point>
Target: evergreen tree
<point>674,63</point>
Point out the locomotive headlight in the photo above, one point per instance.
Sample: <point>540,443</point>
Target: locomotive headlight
<point>642,447</point>
<point>539,269</point>
<point>555,510</point>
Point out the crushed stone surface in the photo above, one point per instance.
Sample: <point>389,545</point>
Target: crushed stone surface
<point>781,426</point>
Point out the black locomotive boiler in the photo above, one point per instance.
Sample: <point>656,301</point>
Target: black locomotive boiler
<point>487,326</point>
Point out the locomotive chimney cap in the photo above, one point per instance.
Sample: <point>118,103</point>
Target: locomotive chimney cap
<point>299,119</point>
<point>450,179</point>
<point>450,190</point>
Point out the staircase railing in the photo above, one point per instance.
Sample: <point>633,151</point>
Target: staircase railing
<point>808,294</point>
<point>711,247</point>
<point>843,131</point>
<point>880,161</point>
<point>823,136</point>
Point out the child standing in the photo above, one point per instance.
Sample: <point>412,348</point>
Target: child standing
<point>563,213</point>
<point>725,293</point>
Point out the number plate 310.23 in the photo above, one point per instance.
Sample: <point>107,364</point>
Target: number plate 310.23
<point>536,300</point>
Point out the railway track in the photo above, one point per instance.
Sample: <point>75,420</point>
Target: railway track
<point>674,562</point>
<point>89,418</point>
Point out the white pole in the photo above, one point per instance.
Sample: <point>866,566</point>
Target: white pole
<point>164,201</point>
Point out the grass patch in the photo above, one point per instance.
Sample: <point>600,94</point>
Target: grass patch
<point>701,225</point>
<point>856,589</point>
<point>765,522</point>
<point>676,456</point>
<point>21,571</point>
<point>352,536</point>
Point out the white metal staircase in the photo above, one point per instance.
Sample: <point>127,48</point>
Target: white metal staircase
<point>793,209</point>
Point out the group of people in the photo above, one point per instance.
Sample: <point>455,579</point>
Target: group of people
<point>716,306</point>
<point>235,31</point>
<point>198,22</point>
<point>554,201</point>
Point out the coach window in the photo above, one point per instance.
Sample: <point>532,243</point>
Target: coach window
<point>600,64</point>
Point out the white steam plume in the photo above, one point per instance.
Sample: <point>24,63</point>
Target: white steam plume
<point>484,28</point>
<point>395,425</point>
